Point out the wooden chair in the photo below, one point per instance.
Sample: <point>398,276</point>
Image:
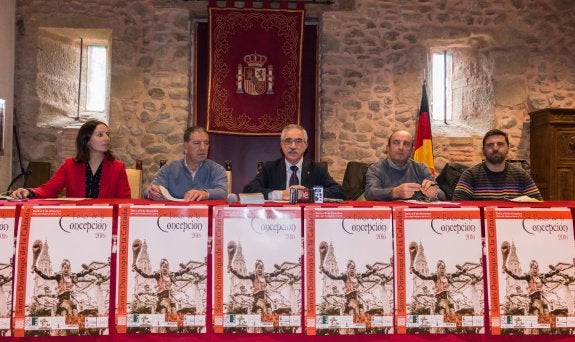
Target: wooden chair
<point>135,181</point>
<point>37,174</point>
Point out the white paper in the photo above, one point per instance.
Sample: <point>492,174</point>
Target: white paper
<point>169,196</point>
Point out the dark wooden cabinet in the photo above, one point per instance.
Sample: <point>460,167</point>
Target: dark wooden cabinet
<point>553,152</point>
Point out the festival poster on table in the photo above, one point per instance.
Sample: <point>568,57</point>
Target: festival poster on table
<point>257,271</point>
<point>531,268</point>
<point>7,223</point>
<point>162,269</point>
<point>349,271</point>
<point>439,271</point>
<point>62,278</point>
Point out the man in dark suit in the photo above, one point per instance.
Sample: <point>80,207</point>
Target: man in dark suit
<point>293,170</point>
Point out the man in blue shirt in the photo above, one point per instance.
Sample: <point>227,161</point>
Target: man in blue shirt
<point>194,177</point>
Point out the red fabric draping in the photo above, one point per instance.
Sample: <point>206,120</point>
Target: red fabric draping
<point>255,69</point>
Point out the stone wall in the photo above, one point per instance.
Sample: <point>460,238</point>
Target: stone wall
<point>150,78</point>
<point>519,56</point>
<point>373,61</point>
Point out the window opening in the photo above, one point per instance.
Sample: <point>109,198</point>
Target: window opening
<point>97,78</point>
<point>441,86</point>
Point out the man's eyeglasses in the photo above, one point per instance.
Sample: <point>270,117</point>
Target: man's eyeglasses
<point>290,141</point>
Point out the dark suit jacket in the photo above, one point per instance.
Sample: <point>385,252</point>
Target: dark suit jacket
<point>273,177</point>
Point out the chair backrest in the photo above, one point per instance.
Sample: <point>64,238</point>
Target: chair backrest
<point>37,174</point>
<point>135,181</point>
<point>354,179</point>
<point>448,178</point>
<point>521,163</point>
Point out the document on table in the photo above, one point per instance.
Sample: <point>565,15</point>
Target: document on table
<point>525,199</point>
<point>169,196</point>
<point>431,202</point>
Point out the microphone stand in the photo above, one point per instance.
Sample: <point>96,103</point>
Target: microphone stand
<point>23,173</point>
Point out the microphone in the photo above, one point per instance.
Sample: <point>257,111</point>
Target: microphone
<point>232,198</point>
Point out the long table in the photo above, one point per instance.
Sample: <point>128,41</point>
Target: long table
<point>210,336</point>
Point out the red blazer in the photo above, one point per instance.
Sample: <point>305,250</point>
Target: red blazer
<point>72,176</point>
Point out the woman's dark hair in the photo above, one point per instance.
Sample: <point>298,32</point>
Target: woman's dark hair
<point>84,135</point>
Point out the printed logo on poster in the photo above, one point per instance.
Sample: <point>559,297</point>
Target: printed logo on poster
<point>279,226</point>
<point>255,78</point>
<point>80,224</point>
<point>451,226</point>
<point>364,226</point>
<point>180,224</point>
<point>541,226</point>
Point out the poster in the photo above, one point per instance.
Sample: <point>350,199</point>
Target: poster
<point>62,278</point>
<point>162,269</point>
<point>7,223</point>
<point>349,271</point>
<point>257,286</point>
<point>439,273</point>
<point>531,268</point>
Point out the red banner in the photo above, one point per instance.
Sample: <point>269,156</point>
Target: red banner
<point>255,69</point>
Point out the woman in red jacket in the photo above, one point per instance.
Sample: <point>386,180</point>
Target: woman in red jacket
<point>93,173</point>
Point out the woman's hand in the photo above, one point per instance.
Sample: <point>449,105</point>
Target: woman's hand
<point>20,193</point>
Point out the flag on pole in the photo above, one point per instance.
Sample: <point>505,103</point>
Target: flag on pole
<point>423,142</point>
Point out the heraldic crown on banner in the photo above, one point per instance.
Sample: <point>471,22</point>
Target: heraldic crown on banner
<point>255,79</point>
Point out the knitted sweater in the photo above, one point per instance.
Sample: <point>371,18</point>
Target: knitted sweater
<point>480,183</point>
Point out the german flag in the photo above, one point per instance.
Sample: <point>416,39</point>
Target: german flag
<point>423,143</point>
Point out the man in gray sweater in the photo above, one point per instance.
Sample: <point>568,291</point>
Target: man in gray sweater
<point>399,177</point>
